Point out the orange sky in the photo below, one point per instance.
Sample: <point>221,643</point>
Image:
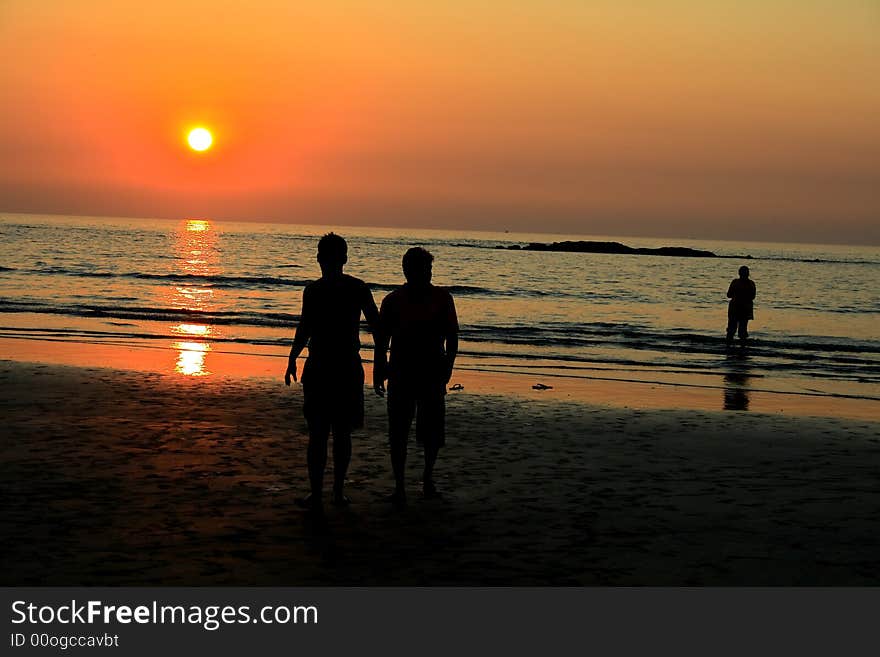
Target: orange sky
<point>741,120</point>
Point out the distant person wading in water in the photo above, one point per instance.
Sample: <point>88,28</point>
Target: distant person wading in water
<point>741,307</point>
<point>333,377</point>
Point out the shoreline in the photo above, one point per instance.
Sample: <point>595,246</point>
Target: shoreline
<point>731,392</point>
<point>139,478</point>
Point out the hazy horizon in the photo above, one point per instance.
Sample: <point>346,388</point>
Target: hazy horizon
<point>550,235</point>
<point>719,120</point>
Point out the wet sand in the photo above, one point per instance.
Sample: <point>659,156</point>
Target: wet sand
<point>619,388</point>
<point>121,477</point>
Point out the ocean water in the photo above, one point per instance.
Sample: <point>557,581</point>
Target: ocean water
<point>200,287</point>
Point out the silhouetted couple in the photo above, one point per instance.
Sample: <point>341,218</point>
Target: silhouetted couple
<point>419,322</point>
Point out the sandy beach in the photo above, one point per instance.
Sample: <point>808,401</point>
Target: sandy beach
<point>141,478</point>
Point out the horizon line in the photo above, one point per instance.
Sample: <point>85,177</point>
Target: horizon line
<point>438,229</point>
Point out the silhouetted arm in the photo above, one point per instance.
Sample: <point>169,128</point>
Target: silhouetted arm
<point>371,312</point>
<point>381,339</point>
<point>451,353</point>
<point>300,340</point>
<point>451,336</point>
<point>732,289</point>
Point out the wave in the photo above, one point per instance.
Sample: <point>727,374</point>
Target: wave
<point>269,283</point>
<point>623,344</point>
<point>251,282</point>
<point>607,370</point>
<point>206,279</point>
<point>537,336</point>
<point>160,314</point>
<point>599,334</point>
<point>540,334</point>
<point>721,363</point>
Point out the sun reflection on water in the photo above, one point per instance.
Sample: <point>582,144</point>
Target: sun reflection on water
<point>197,225</point>
<point>191,358</point>
<point>197,254</point>
<point>192,329</point>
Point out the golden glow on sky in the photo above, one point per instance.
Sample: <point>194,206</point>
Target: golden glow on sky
<point>200,139</point>
<point>692,118</point>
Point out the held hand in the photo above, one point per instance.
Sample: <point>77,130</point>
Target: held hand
<point>379,380</point>
<point>291,372</point>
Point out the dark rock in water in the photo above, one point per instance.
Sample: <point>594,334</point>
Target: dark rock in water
<point>681,251</point>
<point>612,247</point>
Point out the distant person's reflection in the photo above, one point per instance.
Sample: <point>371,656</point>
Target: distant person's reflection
<point>736,382</point>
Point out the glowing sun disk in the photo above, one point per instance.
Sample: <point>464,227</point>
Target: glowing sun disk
<point>199,139</point>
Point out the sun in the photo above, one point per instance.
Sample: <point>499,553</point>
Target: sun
<point>199,139</point>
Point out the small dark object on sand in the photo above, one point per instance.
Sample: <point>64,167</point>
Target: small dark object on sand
<point>541,386</point>
<point>457,386</point>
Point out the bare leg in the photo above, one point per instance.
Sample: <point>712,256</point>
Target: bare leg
<point>428,487</point>
<point>400,417</point>
<point>731,330</point>
<point>316,456</point>
<point>430,427</point>
<point>398,461</point>
<point>341,459</point>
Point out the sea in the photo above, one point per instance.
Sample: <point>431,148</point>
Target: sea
<point>199,287</point>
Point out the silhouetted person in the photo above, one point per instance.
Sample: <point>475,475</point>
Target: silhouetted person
<point>420,322</point>
<point>741,307</point>
<point>333,376</point>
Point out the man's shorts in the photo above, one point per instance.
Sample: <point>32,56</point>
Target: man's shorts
<point>428,407</point>
<point>334,402</point>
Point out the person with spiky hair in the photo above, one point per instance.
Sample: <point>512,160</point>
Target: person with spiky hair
<point>333,376</point>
